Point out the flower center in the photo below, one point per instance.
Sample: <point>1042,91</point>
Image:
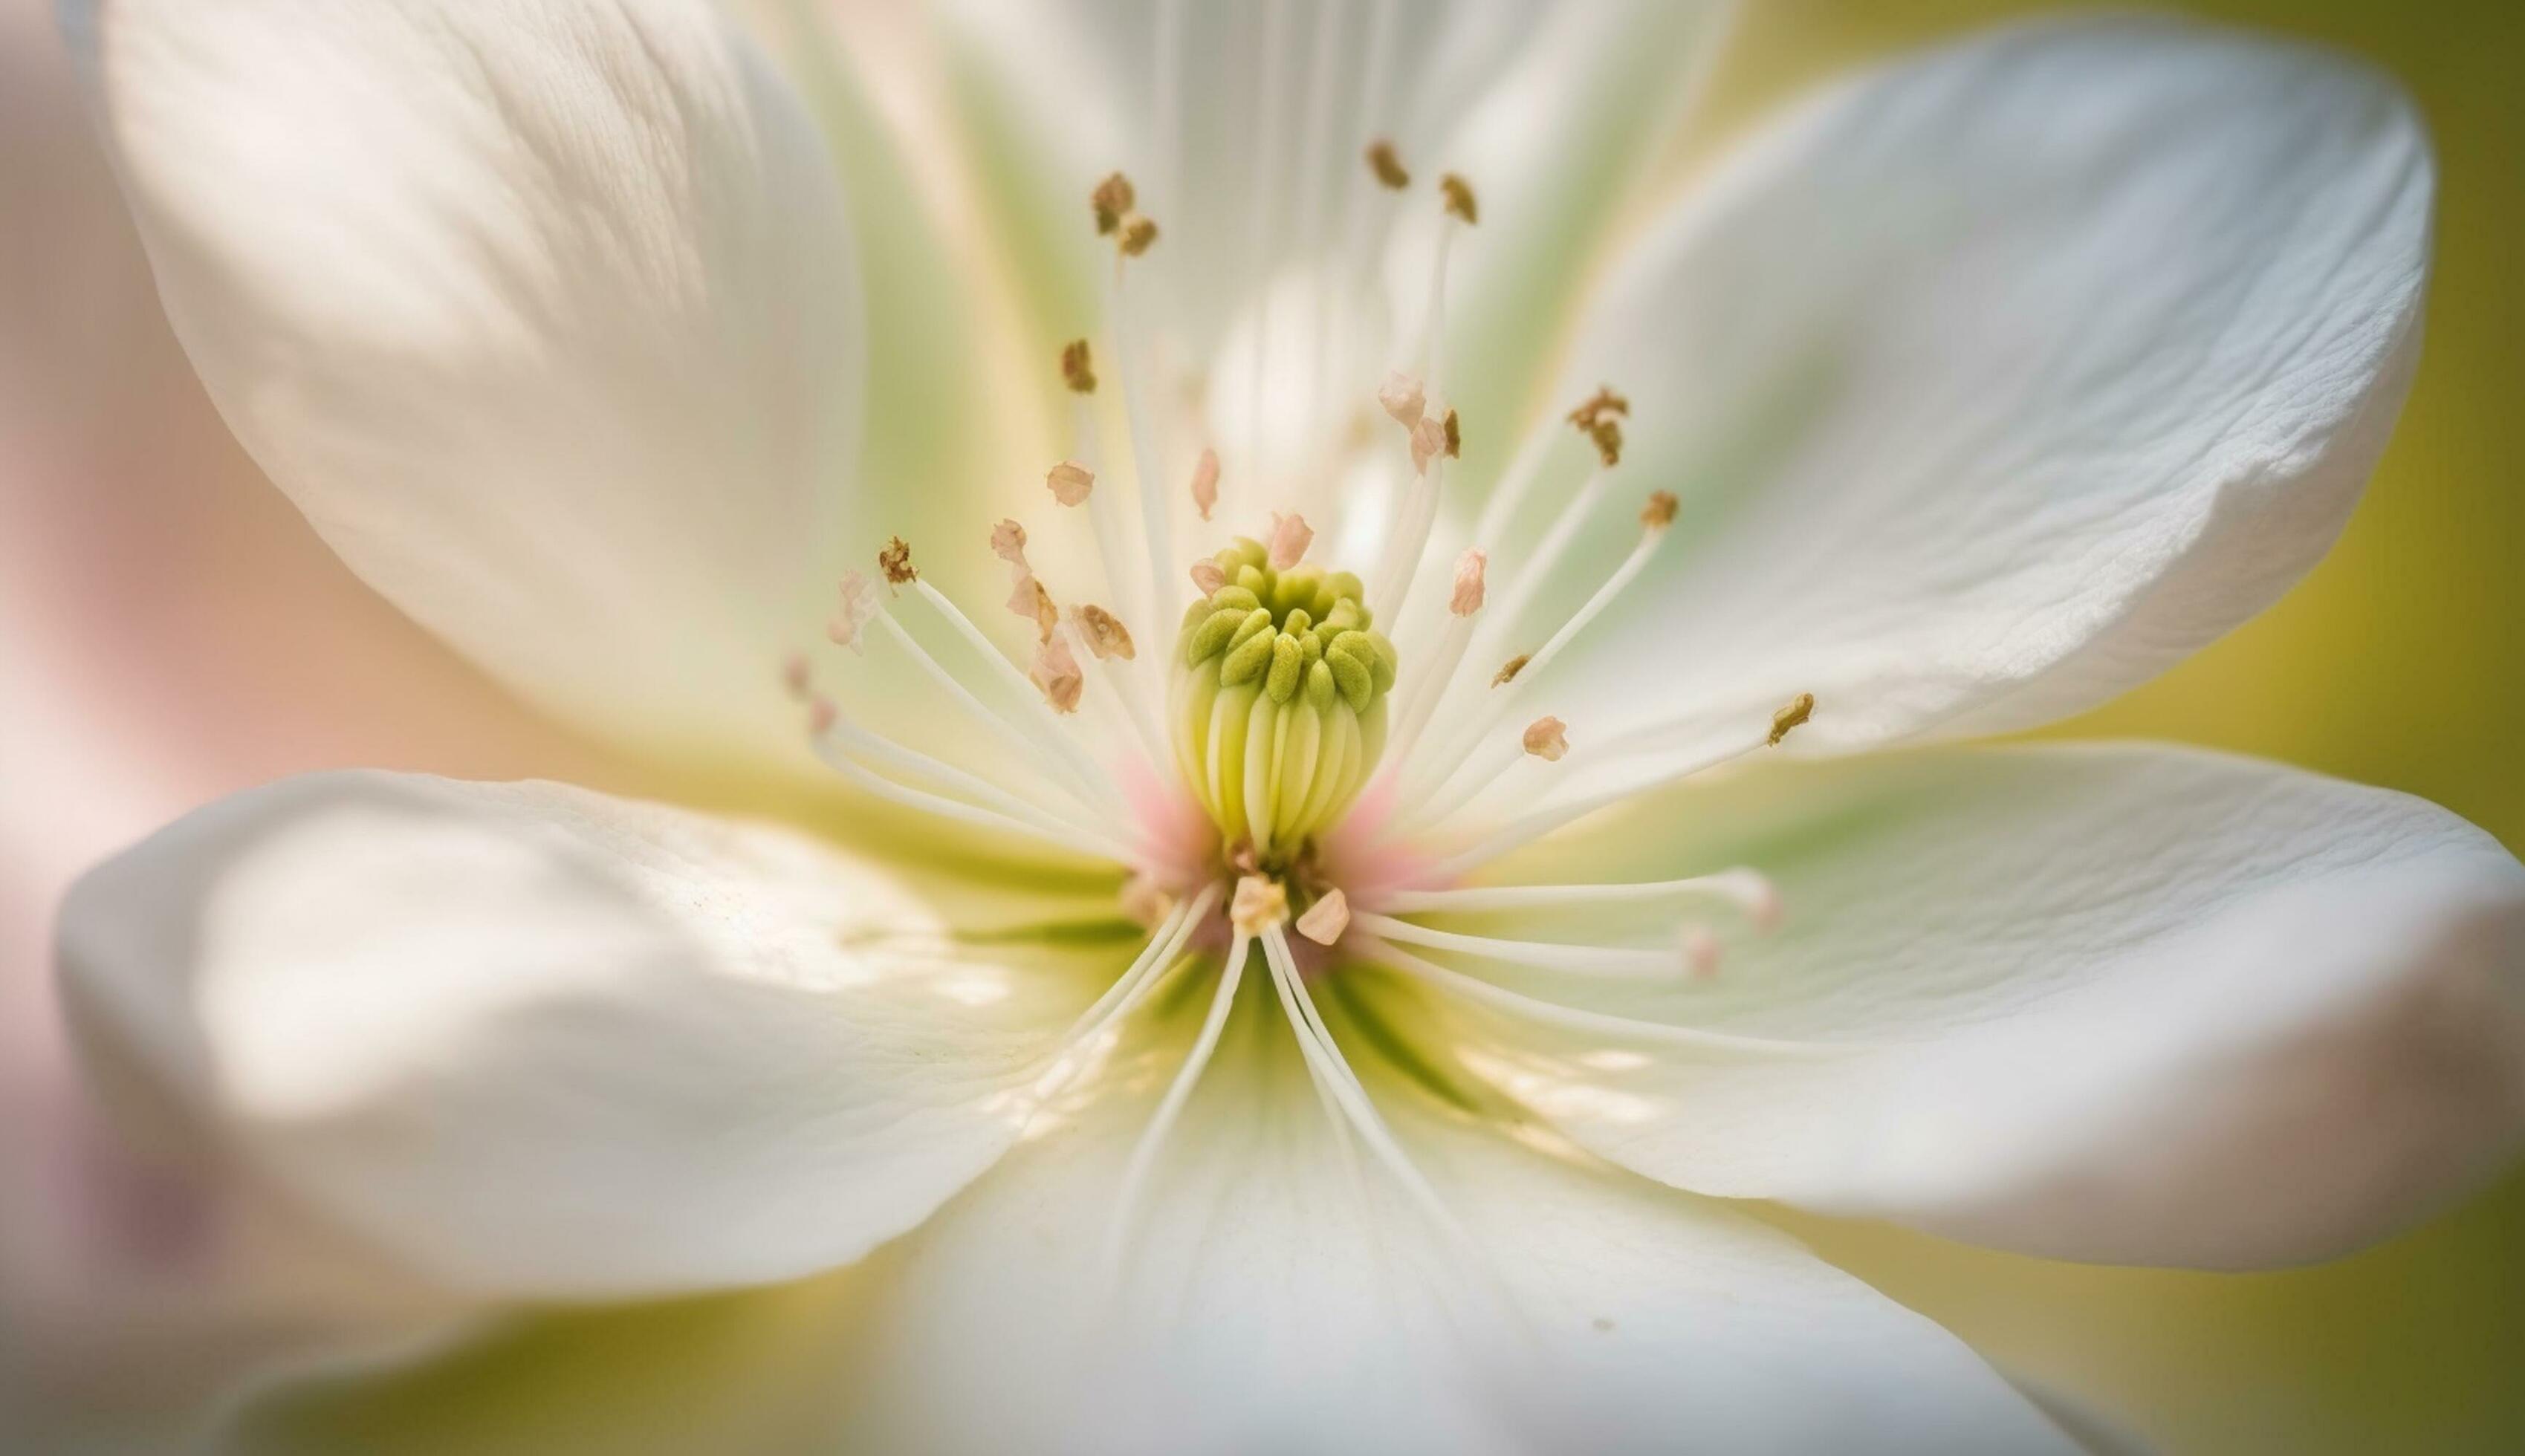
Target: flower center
<point>1278,697</point>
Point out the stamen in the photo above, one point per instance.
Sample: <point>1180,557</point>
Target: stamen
<point>1323,1058</point>
<point>1797,712</point>
<point>894,562</point>
<point>1156,517</point>
<point>1550,955</point>
<point>1087,776</point>
<point>1260,904</point>
<point>1038,747</point>
<point>1135,1174</point>
<point>1112,198</point>
<point>1547,739</point>
<point>1525,831</point>
<point>1077,368</point>
<point>1509,669</point>
<point>1326,919</point>
<point>1290,537</point>
<point>824,718</point>
<point>1458,195</point>
<point>1403,398</point>
<point>1601,1023</point>
<point>1430,685</point>
<point>1130,988</point>
<point>1750,891</point>
<point>1103,633</point>
<point>864,743</point>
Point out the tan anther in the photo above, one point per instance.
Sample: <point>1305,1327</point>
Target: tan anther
<point>1458,194</point>
<point>1455,434</point>
<point>795,675</point>
<point>1028,598</point>
<point>1701,953</point>
<point>1056,674</point>
<point>895,561</point>
<point>1139,232</point>
<point>1794,713</point>
<point>859,608</point>
<point>1078,368</point>
<point>1325,919</point>
<point>1428,442</point>
<point>1404,398</point>
<point>1260,904</point>
<point>1112,198</point>
<point>1071,482</point>
<point>1208,575</point>
<point>1470,589</point>
<point>1008,543</point>
<point>1105,634</point>
<point>1597,406</point>
<point>1658,512</point>
<point>1204,482</point>
<point>1290,537</point>
<point>1608,437</point>
<point>1507,671</point>
<point>1387,166</point>
<point>821,716</point>
<point>1547,739</point>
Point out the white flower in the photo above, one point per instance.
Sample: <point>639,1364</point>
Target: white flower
<point>1969,394</point>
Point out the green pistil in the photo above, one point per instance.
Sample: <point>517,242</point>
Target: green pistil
<point>1279,698</point>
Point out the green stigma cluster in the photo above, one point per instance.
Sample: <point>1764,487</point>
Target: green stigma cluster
<point>1279,698</point>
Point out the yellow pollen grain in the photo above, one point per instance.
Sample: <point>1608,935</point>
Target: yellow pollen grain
<point>1792,713</point>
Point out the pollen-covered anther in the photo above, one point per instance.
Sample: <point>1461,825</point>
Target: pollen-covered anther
<point>1386,165</point>
<point>1105,634</point>
<point>1325,919</point>
<point>1009,542</point>
<point>895,562</point>
<point>1547,739</point>
<point>1607,436</point>
<point>1258,904</point>
<point>1208,575</point>
<point>1028,598</point>
<point>1280,693</point>
<point>1452,433</point>
<point>1469,591</point>
<point>1078,367</point>
<point>1509,669</point>
<point>1428,442</point>
<point>859,606</point>
<point>1792,713</point>
<point>1404,398</point>
<point>1056,674</point>
<point>1113,199</point>
<point>1070,482</point>
<point>1459,196</point>
<point>1660,510</point>
<point>1204,482</point>
<point>1593,410</point>
<point>1290,537</point>
<point>1138,234</point>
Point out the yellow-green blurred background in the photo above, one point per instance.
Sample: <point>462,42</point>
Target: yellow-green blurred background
<point>2400,661</point>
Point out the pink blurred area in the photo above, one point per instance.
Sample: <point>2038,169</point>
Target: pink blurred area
<point>173,631</point>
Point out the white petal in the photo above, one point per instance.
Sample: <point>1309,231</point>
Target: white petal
<point>542,312</point>
<point>1995,380</point>
<point>2130,1004</point>
<point>1269,1303</point>
<point>538,1041</point>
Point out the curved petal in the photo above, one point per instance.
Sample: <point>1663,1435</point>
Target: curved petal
<point>540,1041</point>
<point>2128,1004</point>
<point>1995,380</point>
<point>543,314</point>
<point>1271,1302</point>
